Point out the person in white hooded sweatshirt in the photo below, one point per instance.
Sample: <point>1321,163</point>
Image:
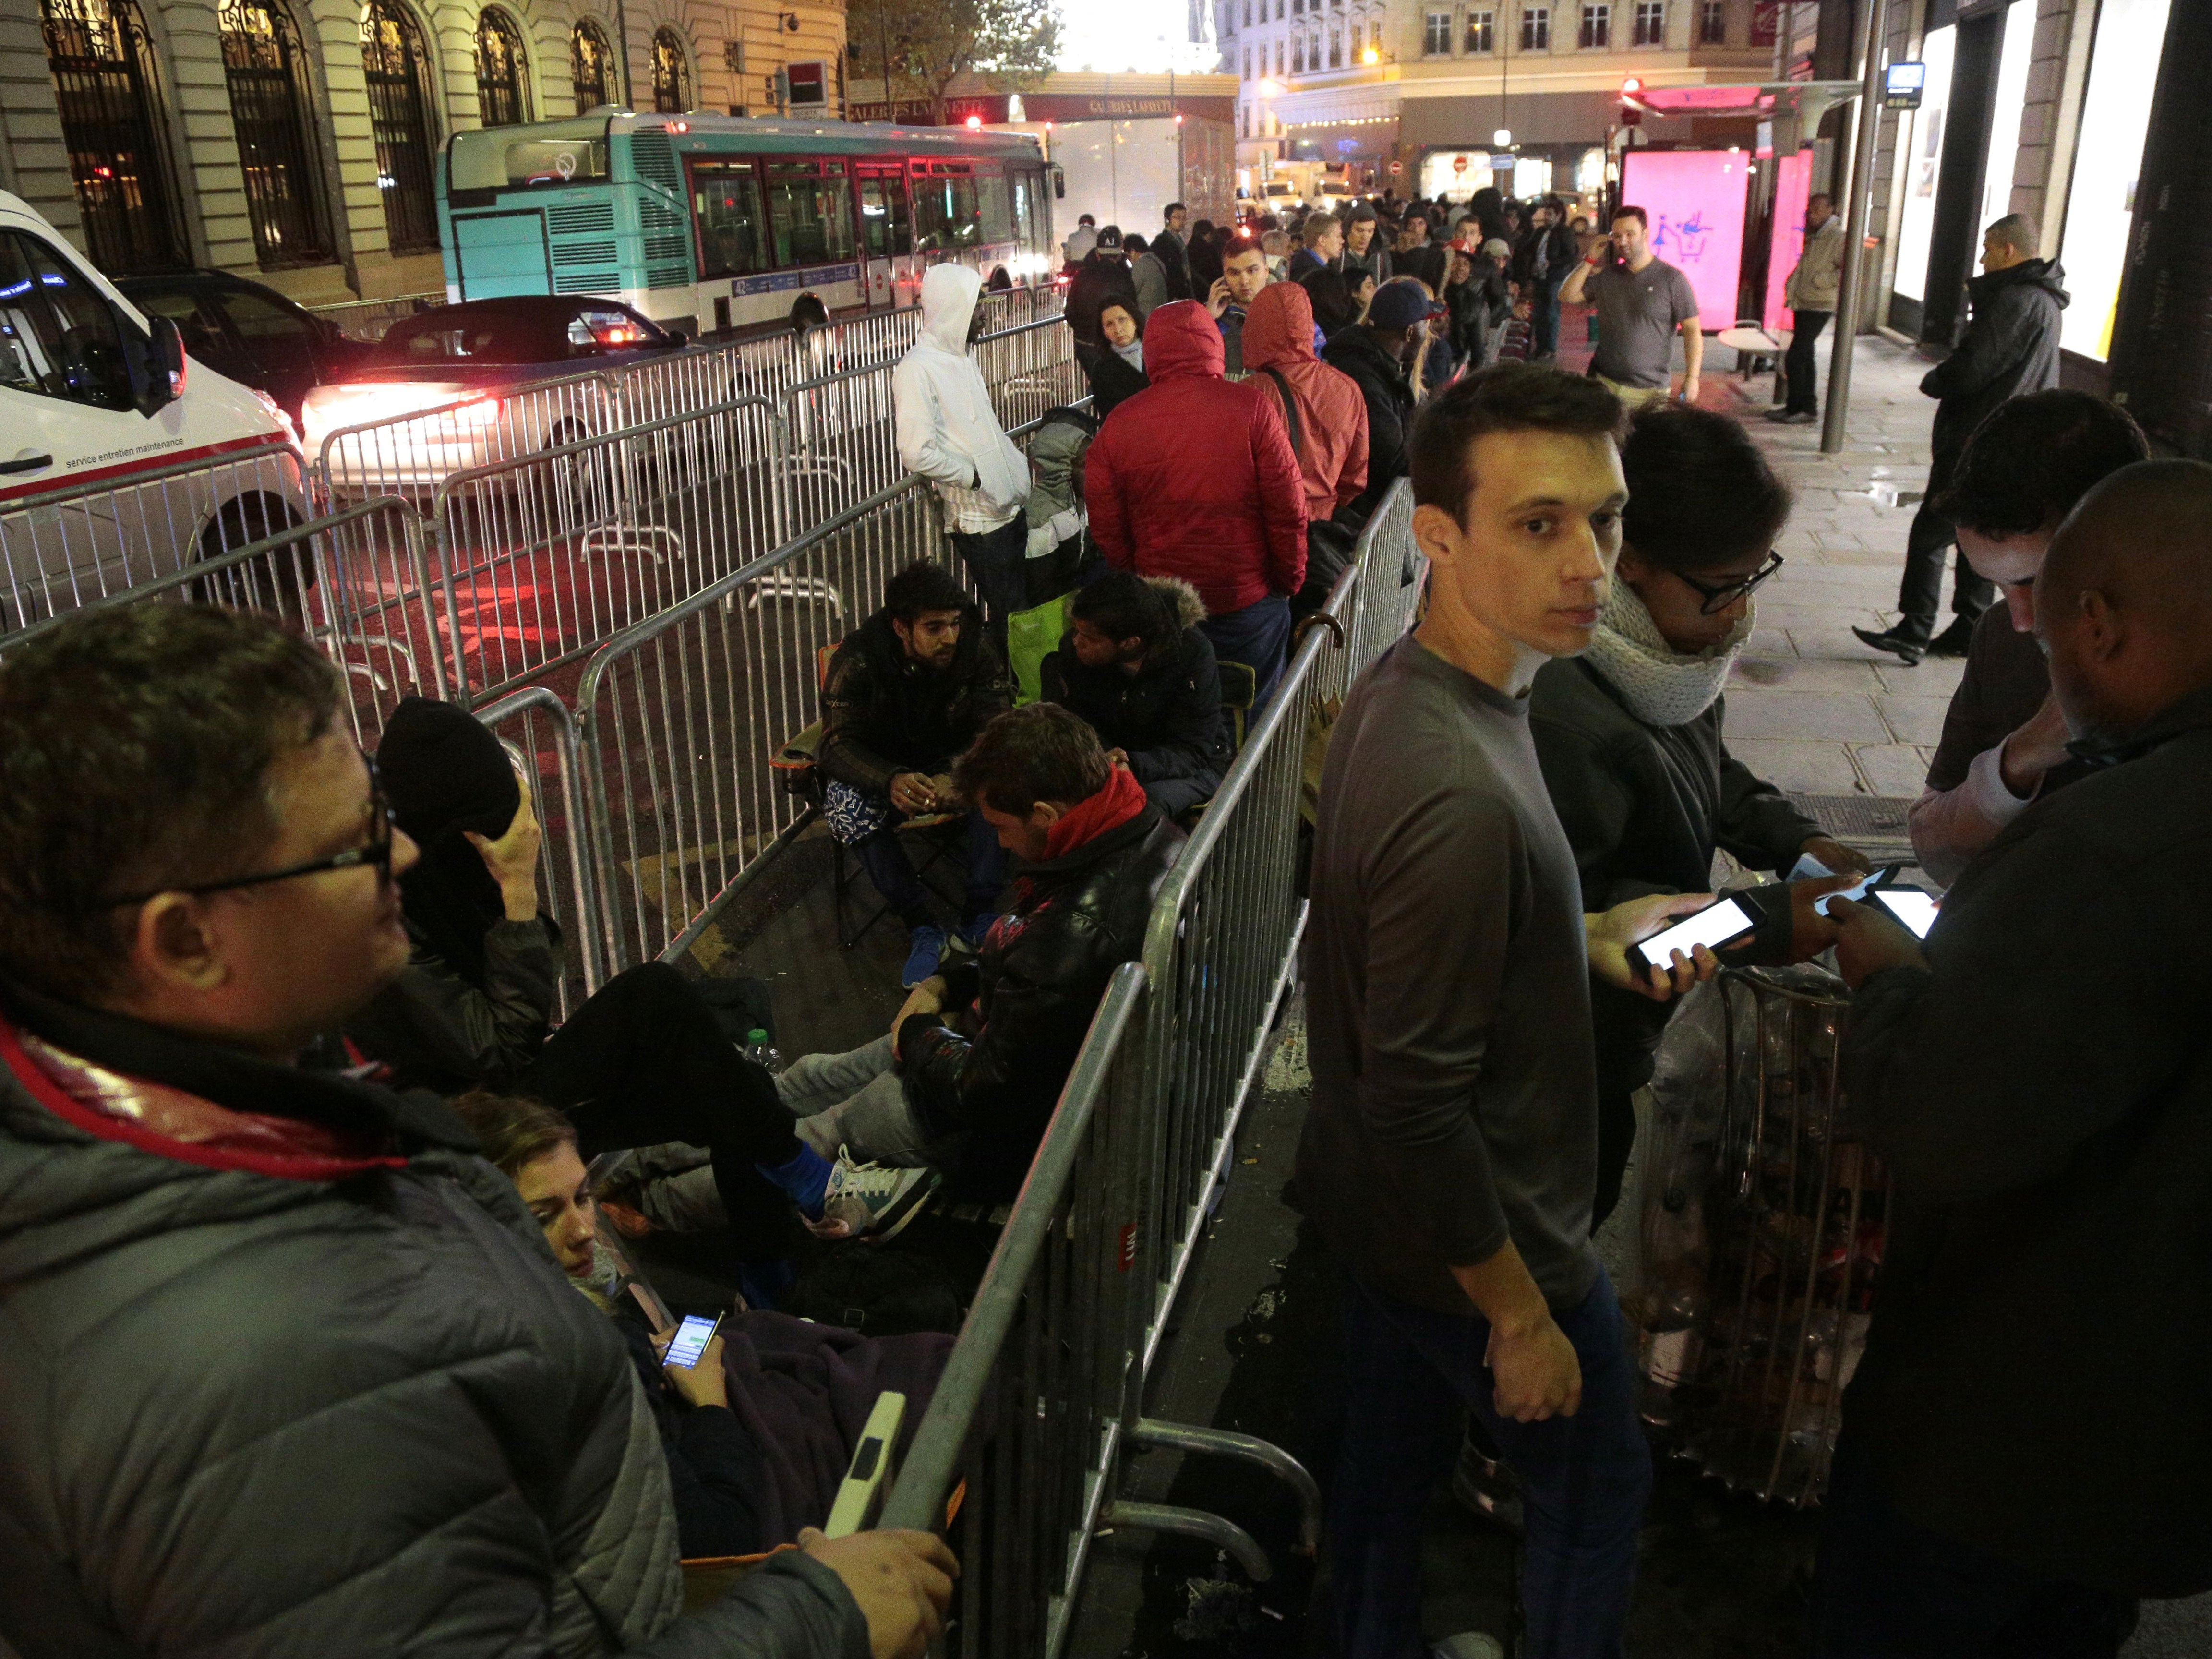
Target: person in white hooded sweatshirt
<point>949,433</point>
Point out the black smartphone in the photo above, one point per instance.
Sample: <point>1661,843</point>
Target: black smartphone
<point>1717,924</point>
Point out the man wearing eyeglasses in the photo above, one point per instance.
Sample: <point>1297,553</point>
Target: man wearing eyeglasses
<point>287,1367</point>
<point>1629,733</point>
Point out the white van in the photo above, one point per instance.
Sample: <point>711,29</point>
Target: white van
<point>163,462</point>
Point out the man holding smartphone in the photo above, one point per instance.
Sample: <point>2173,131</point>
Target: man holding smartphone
<point>2023,1450</point>
<point>1640,302</point>
<point>1450,1149</point>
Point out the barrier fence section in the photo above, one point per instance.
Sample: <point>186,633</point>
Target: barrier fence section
<point>71,544</point>
<point>539,729</point>
<point>1046,1384</point>
<point>681,715</point>
<point>368,320</point>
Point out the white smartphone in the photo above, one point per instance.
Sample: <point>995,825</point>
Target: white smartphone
<point>1712,927</point>
<point>690,1340</point>
<point>1910,906</point>
<point>869,1475</point>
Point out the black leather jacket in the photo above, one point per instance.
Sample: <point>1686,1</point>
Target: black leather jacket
<point>1069,922</point>
<point>1166,717</point>
<point>883,713</point>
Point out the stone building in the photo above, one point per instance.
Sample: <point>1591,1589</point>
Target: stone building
<point>295,141</point>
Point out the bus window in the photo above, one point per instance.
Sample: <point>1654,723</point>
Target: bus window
<point>945,214</point>
<point>725,200</point>
<point>809,207</point>
<point>885,227</point>
<point>1027,206</point>
<point>557,161</point>
<point>995,207</point>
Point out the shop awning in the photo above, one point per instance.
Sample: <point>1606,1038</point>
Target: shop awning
<point>1765,98</point>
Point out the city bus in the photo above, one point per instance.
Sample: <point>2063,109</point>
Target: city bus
<point>707,223</point>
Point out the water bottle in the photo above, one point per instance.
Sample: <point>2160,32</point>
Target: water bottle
<point>762,1052</point>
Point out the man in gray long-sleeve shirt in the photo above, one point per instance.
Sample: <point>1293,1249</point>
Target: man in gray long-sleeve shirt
<point>1449,1152</point>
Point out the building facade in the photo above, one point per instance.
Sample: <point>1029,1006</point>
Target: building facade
<point>294,141</point>
<point>1374,84</point>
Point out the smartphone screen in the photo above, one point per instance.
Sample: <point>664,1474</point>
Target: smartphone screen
<point>1714,924</point>
<point>1887,872</point>
<point>691,1339</point>
<point>1910,906</point>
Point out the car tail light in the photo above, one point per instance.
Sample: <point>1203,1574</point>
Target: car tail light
<point>623,333</point>
<point>476,415</point>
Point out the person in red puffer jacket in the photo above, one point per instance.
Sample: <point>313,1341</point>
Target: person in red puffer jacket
<point>1195,477</point>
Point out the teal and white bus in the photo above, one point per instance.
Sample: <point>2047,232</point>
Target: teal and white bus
<point>709,222</point>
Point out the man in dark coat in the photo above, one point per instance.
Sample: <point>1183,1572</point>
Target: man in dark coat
<point>907,691</point>
<point>2023,1449</point>
<point>987,1048</point>
<point>2011,346</point>
<point>1138,669</point>
<point>289,1368</point>
<point>1375,353</point>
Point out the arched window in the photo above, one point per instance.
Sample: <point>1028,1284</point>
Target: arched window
<point>399,106</point>
<point>672,73</point>
<point>591,67</point>
<point>265,68</point>
<point>502,71</point>
<point>104,83</point>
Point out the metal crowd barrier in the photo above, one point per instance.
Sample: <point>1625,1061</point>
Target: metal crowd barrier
<point>680,715</point>
<point>1046,1385</point>
<point>368,320</point>
<point>72,545</point>
<point>540,560</point>
<point>538,723</point>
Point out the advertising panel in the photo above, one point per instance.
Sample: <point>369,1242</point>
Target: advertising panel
<point>1695,200</point>
<point>1793,182</point>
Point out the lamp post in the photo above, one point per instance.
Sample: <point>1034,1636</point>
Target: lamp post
<point>1860,207</point>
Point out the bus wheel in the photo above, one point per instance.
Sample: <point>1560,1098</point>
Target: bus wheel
<point>276,581</point>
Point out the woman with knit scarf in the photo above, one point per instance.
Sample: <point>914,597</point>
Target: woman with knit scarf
<point>1628,734</point>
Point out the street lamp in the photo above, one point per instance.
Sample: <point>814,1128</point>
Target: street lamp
<point>1370,57</point>
<point>1503,139</point>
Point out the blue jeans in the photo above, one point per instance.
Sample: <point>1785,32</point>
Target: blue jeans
<point>995,561</point>
<point>1412,1375</point>
<point>1544,315</point>
<point>1890,1589</point>
<point>1258,636</point>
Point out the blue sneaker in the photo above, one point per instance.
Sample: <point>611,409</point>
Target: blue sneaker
<point>927,950</point>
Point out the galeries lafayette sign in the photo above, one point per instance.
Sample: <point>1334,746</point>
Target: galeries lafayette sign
<point>993,109</point>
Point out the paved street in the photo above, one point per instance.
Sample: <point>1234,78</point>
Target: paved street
<point>1809,707</point>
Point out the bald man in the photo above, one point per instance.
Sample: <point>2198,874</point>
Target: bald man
<point>2025,1448</point>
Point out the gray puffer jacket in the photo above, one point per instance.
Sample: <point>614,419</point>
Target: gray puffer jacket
<point>288,1369</point>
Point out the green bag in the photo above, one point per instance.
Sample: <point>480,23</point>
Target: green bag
<point>1031,635</point>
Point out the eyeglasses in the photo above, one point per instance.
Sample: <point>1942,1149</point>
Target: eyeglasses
<point>376,852</point>
<point>1719,596</point>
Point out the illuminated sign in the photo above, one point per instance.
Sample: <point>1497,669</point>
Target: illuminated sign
<point>1694,200</point>
<point>1903,84</point>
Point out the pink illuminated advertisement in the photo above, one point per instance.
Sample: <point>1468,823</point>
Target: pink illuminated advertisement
<point>1694,199</point>
<point>1793,180</point>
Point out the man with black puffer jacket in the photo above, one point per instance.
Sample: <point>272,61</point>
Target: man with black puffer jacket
<point>987,1048</point>
<point>1140,671</point>
<point>289,1369</point>
<point>2010,347</point>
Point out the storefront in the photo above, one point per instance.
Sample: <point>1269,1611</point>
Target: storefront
<point>2107,161</point>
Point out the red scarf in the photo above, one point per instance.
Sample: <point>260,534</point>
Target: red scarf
<point>1121,799</point>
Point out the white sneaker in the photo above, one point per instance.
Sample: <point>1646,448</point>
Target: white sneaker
<point>865,1200</point>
